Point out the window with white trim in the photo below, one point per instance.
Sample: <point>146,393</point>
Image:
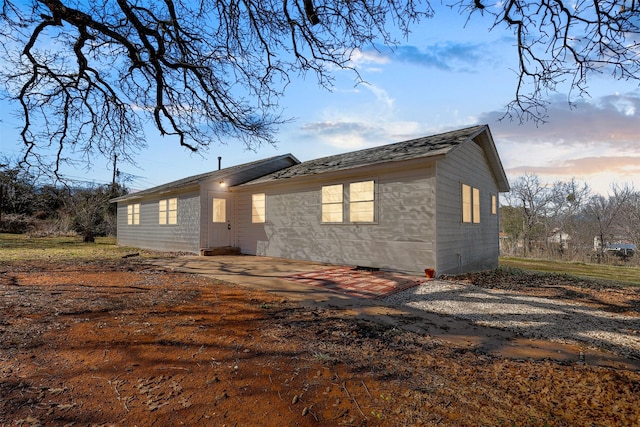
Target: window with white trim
<point>361,201</point>
<point>258,208</point>
<point>357,200</point>
<point>332,203</point>
<point>219,210</point>
<point>476,206</point>
<point>168,211</point>
<point>133,214</point>
<point>470,204</point>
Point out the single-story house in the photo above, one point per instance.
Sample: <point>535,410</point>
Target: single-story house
<point>429,202</point>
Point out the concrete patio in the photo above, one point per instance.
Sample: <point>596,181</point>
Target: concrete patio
<point>283,277</point>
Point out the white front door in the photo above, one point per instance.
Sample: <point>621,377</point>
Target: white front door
<point>220,212</point>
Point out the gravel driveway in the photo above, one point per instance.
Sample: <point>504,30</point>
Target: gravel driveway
<point>530,316</point>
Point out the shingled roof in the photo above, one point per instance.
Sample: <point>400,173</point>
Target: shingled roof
<point>424,147</point>
<point>195,180</point>
<point>427,146</point>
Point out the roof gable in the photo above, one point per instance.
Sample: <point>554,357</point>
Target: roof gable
<point>485,140</point>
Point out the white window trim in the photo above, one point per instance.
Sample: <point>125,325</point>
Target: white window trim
<point>133,214</point>
<point>164,211</point>
<point>258,208</point>
<point>346,203</point>
<point>476,205</point>
<point>470,204</point>
<point>368,201</point>
<point>328,208</point>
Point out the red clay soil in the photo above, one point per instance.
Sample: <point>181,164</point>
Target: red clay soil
<point>126,344</point>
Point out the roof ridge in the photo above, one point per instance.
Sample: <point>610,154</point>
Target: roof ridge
<point>399,143</point>
<point>197,178</point>
<point>425,146</point>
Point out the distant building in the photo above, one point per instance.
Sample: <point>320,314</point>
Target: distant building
<point>560,238</point>
<point>621,248</point>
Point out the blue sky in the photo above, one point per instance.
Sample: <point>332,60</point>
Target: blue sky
<point>444,76</point>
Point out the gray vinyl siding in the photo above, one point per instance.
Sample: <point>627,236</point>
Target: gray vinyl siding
<point>221,185</point>
<point>191,232</point>
<point>462,246</point>
<point>182,237</point>
<point>402,237</point>
<point>205,214</point>
<point>418,220</point>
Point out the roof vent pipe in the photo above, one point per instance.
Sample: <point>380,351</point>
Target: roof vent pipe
<point>219,162</point>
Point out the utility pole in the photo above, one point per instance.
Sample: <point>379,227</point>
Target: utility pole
<point>113,180</point>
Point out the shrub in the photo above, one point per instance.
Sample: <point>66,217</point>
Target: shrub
<point>16,223</point>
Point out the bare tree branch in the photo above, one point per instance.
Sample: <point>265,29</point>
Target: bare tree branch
<point>560,43</point>
<point>88,75</point>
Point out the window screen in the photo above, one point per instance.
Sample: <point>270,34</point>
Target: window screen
<point>133,214</point>
<point>466,203</point>
<point>332,197</point>
<point>361,201</point>
<point>258,208</point>
<point>168,211</point>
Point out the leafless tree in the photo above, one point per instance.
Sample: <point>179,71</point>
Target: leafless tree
<point>628,226</point>
<point>89,210</point>
<point>532,200</point>
<point>568,199</point>
<point>606,214</point>
<point>89,74</point>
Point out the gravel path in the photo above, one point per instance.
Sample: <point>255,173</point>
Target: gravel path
<point>530,316</point>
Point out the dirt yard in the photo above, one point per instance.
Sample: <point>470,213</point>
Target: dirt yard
<point>122,343</point>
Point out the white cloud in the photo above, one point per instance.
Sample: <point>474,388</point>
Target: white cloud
<point>597,142</point>
<point>360,58</point>
<point>373,120</point>
<point>384,102</point>
<point>608,121</point>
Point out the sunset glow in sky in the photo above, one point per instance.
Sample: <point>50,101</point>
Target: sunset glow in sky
<point>445,76</point>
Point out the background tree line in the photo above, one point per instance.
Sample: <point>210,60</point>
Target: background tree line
<point>559,220</point>
<point>26,206</point>
<point>566,220</point>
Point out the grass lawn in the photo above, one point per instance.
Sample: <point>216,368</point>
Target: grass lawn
<point>613,273</point>
<point>21,248</point>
